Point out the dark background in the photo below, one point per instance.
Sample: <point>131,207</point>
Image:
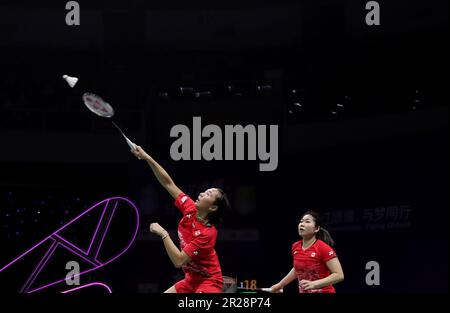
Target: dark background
<point>376,166</point>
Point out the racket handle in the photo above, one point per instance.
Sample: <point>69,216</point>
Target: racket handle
<point>130,144</point>
<point>270,290</point>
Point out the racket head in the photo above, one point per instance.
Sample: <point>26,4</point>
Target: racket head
<point>97,105</point>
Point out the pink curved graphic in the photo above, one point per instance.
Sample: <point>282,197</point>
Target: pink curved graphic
<point>89,285</point>
<point>90,256</point>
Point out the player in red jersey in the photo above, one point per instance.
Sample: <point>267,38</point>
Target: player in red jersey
<point>196,231</point>
<point>316,265</point>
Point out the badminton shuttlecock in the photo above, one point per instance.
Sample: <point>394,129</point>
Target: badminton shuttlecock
<point>70,80</point>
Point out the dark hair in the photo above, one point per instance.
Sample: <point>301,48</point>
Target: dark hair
<point>223,204</point>
<point>322,234</point>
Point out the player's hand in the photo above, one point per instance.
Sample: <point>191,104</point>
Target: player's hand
<point>157,229</point>
<point>307,284</point>
<point>139,153</point>
<point>277,288</point>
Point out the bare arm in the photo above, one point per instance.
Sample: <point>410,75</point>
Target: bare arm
<point>336,276</point>
<point>285,281</point>
<point>163,177</point>
<point>288,278</point>
<point>178,258</point>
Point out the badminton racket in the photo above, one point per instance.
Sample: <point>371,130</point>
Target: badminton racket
<point>102,108</point>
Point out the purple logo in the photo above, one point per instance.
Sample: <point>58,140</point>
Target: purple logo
<point>108,289</point>
<point>94,255</point>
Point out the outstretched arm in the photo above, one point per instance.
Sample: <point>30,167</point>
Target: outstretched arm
<point>163,177</point>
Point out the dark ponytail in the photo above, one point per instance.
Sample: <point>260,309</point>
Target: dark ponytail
<point>223,205</point>
<point>322,234</point>
<point>325,236</point>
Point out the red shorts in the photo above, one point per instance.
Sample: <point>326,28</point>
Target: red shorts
<point>199,284</point>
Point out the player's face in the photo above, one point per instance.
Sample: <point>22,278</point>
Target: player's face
<point>207,198</point>
<point>307,226</point>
